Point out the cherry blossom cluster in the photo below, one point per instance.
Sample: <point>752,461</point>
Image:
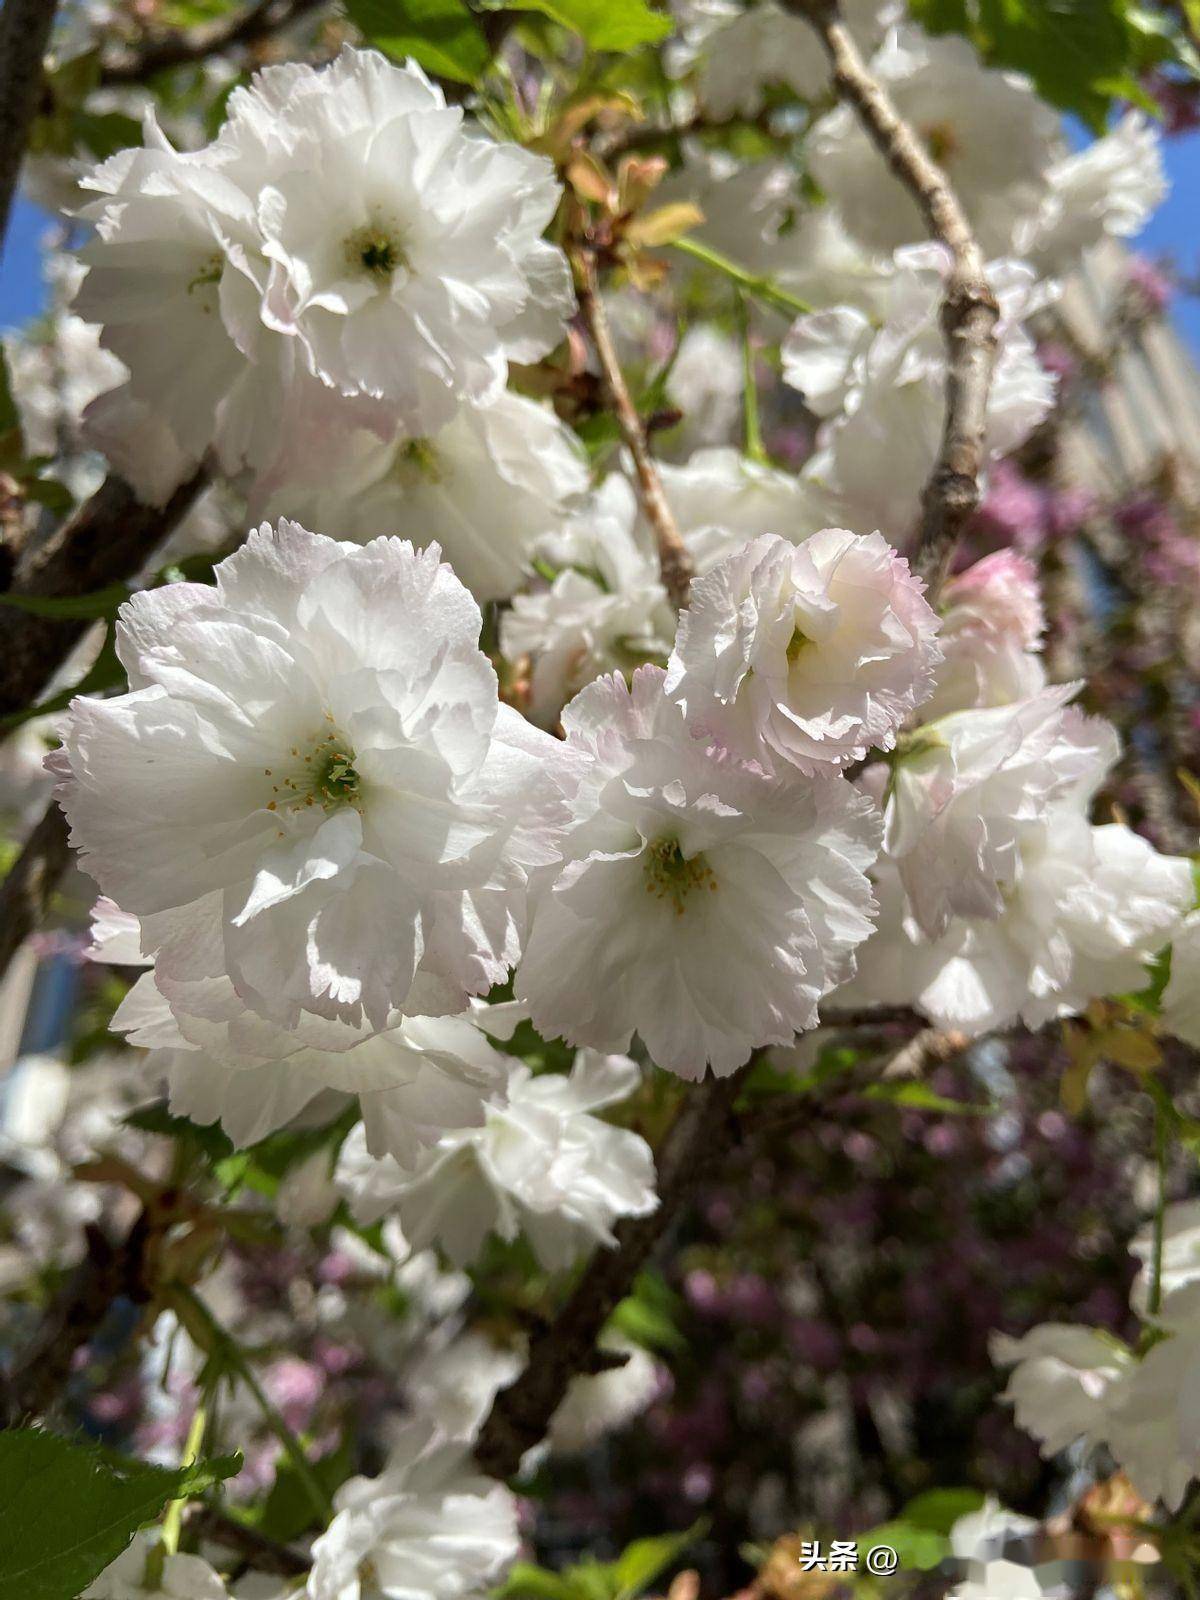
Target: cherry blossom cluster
<point>345,859</point>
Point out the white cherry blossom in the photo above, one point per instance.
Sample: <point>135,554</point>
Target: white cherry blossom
<point>721,498</point>
<point>404,247</point>
<point>311,792</point>
<point>1085,911</point>
<point>1153,1423</point>
<point>1108,189</point>
<point>183,1577</point>
<point>875,369</point>
<point>1063,1382</point>
<point>966,788</point>
<point>702,904</point>
<point>428,1528</point>
<point>1180,1250</point>
<point>991,636</point>
<point>488,488</point>
<point>804,654</point>
<point>605,607</point>
<point>987,129</point>
<point>542,1165</point>
<point>602,1402</point>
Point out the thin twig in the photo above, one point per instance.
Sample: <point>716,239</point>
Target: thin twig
<point>969,309</point>
<point>179,47</point>
<point>193,1312</point>
<point>264,1554</point>
<point>702,1129</point>
<point>109,538</point>
<point>26,892</point>
<point>25,28</point>
<point>932,1047</point>
<point>674,560</point>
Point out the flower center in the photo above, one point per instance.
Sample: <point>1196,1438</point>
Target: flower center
<point>417,458</point>
<point>941,141</point>
<point>326,776</point>
<point>375,251</point>
<point>797,644</point>
<point>670,875</point>
<point>207,274</point>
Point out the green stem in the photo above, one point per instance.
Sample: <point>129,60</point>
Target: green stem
<point>753,283</point>
<point>1154,1298</point>
<point>750,420</point>
<point>233,1357</point>
<point>172,1523</point>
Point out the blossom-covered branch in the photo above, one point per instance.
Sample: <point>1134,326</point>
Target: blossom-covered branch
<point>674,559</point>
<point>564,1347</point>
<point>970,312</point>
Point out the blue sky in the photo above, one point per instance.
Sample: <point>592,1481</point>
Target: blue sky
<point>1174,230</point>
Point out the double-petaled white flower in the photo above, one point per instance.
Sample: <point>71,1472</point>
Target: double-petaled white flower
<point>347,253</point>
<point>1063,1382</point>
<point>311,794</point>
<point>806,655</point>
<point>605,607</point>
<point>1108,189</point>
<point>700,903</point>
<point>987,130</point>
<point>874,368</point>
<point>720,498</point>
<point>1082,911</point>
<point>1073,1383</point>
<point>176,279</point>
<point>969,787</point>
<point>428,1528</point>
<point>405,251</point>
<point>991,636</point>
<point>489,487</point>
<point>542,1165</point>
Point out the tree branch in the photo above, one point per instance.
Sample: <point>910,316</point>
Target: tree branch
<point>110,537</point>
<point>703,1127</point>
<point>180,47</point>
<point>107,1272</point>
<point>674,560</point>
<point>25,28</point>
<point>26,893</point>
<point>969,309</point>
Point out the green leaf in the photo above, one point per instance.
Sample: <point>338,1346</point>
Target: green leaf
<point>70,1509</point>
<point>1079,53</point>
<point>919,1549</point>
<point>648,1315</point>
<point>288,1511</point>
<point>100,603</point>
<point>441,34</point>
<point>205,1137</point>
<point>603,24</point>
<point>920,1097</point>
<point>527,1582</point>
<point>939,1509</point>
<point>641,1562</point>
